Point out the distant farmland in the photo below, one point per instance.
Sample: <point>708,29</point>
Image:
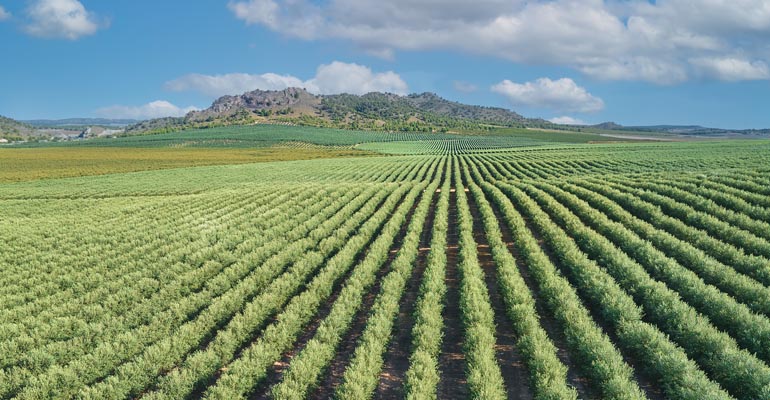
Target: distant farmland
<point>530,265</point>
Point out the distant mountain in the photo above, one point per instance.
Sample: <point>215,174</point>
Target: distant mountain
<point>44,130</point>
<point>607,126</point>
<point>424,106</point>
<point>50,123</point>
<point>260,103</point>
<point>685,130</point>
<point>381,111</point>
<point>11,129</point>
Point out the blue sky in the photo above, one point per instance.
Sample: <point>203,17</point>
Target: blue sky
<point>633,62</point>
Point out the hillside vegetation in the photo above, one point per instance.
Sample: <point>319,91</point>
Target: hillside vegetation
<point>424,112</point>
<point>13,130</point>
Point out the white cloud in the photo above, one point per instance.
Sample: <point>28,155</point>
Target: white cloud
<point>663,72</point>
<point>4,14</point>
<point>562,95</point>
<point>732,69</point>
<point>464,87</point>
<point>339,77</point>
<point>336,77</point>
<point>256,12</point>
<point>567,120</point>
<point>66,19</point>
<point>219,85</point>
<point>155,109</point>
<point>296,17</point>
<point>604,39</point>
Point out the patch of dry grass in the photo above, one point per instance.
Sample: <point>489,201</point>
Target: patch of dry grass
<point>25,164</point>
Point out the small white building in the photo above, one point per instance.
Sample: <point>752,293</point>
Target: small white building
<point>3,140</point>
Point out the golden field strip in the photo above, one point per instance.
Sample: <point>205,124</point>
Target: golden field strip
<point>25,164</point>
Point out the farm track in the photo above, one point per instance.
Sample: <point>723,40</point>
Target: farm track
<point>509,357</point>
<point>452,383</point>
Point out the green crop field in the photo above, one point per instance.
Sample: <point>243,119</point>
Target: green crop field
<point>520,265</point>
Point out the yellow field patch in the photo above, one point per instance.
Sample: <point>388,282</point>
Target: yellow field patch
<point>59,162</point>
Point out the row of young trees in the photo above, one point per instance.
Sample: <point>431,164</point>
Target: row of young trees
<point>547,373</point>
<point>423,374</point>
<point>363,372</point>
<point>79,356</point>
<point>714,350</point>
<point>485,379</point>
<point>133,357</point>
<point>745,289</point>
<point>657,356</point>
<point>708,223</point>
<point>251,366</point>
<point>308,365</point>
<point>521,199</point>
<point>107,288</point>
<point>127,337</point>
<point>753,266</point>
<point>754,191</point>
<point>202,365</point>
<point>750,330</point>
<point>591,347</point>
<point>704,204</point>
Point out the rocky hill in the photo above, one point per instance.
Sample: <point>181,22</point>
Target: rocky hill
<point>425,107</point>
<point>430,102</point>
<point>11,129</point>
<point>381,111</point>
<point>46,130</point>
<point>686,130</point>
<point>79,122</point>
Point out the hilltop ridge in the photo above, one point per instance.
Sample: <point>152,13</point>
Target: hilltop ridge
<point>426,112</point>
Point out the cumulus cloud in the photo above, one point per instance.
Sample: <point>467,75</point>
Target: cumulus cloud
<point>295,17</point>
<point>732,69</point>
<point>333,78</point>
<point>662,72</point>
<point>561,95</point>
<point>219,85</point>
<point>155,109</point>
<point>567,120</point>
<point>256,12</point>
<point>339,77</point>
<point>66,19</point>
<point>4,14</point>
<point>605,39</point>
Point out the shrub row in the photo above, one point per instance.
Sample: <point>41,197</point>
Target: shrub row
<point>362,374</point>
<point>422,377</point>
<point>714,350</point>
<point>753,266</point>
<point>548,375</point>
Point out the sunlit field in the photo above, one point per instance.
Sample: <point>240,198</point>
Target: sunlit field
<point>452,267</point>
